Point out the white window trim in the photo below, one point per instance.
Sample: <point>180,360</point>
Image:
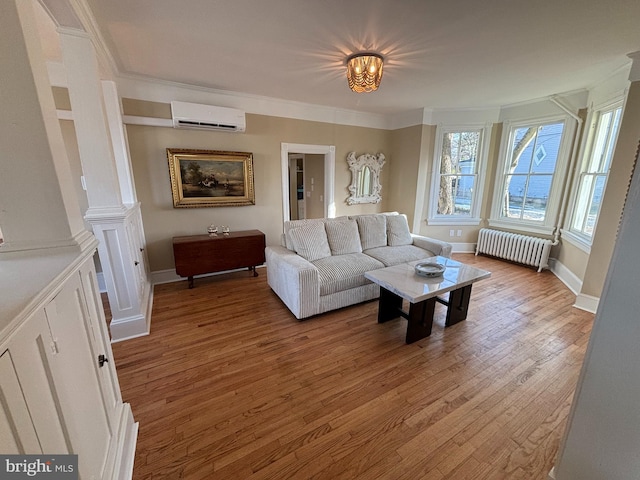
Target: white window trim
<point>574,237</point>
<point>557,187</point>
<point>483,155</point>
<point>578,241</point>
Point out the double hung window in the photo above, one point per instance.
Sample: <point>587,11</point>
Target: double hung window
<point>593,175</point>
<point>528,186</point>
<point>460,159</point>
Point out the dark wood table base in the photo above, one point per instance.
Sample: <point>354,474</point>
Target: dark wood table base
<point>420,315</point>
<point>190,278</point>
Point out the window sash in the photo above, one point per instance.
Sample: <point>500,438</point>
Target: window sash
<point>533,170</point>
<point>539,226</point>
<point>458,183</point>
<point>466,170</point>
<point>592,180</point>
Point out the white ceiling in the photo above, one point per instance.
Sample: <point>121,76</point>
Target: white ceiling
<point>454,54</point>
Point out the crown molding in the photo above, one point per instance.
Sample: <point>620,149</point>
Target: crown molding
<point>634,73</point>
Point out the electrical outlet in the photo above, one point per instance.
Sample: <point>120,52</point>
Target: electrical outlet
<point>452,233</point>
<point>459,233</point>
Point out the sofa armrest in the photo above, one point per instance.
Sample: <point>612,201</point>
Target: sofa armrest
<point>294,280</point>
<point>437,247</point>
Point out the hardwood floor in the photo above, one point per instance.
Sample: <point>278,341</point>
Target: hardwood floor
<point>230,385</point>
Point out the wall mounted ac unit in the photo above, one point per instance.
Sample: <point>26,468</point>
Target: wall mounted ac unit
<point>207,117</point>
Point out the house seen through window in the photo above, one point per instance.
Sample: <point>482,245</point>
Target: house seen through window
<point>532,160</point>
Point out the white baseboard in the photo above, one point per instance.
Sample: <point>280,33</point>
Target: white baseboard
<point>587,303</point>
<point>128,328</point>
<point>566,276</point>
<point>169,276</point>
<point>463,247</point>
<point>165,276</point>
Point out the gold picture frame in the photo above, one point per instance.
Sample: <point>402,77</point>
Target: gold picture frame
<point>210,178</point>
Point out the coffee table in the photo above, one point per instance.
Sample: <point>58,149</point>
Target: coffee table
<point>401,282</point>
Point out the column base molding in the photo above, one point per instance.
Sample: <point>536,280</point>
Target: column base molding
<point>132,327</point>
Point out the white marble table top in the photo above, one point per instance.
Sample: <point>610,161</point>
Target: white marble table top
<point>403,281</point>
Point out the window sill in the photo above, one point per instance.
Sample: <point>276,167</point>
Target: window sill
<point>522,227</point>
<point>576,240</point>
<point>453,221</point>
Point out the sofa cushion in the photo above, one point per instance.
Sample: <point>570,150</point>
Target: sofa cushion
<point>342,272</point>
<point>399,254</point>
<point>343,237</point>
<point>398,230</point>
<point>310,241</point>
<point>291,224</point>
<point>373,230</point>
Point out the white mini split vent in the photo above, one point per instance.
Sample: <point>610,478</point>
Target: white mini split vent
<point>207,117</point>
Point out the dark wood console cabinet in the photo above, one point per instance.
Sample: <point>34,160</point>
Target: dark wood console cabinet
<point>200,254</point>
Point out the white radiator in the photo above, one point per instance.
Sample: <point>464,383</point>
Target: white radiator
<point>517,248</point>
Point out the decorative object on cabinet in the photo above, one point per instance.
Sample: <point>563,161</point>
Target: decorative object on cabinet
<point>365,178</point>
<point>212,230</point>
<point>210,178</point>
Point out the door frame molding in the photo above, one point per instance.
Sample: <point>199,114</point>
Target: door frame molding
<point>329,152</point>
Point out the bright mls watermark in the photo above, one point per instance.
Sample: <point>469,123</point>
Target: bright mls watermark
<point>50,467</point>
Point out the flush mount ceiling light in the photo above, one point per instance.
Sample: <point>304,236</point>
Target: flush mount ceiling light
<point>364,72</point>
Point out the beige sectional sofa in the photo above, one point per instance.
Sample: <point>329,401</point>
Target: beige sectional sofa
<point>322,262</point>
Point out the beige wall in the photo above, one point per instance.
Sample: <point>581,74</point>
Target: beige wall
<point>61,98</point>
<point>613,202</point>
<point>263,138</point>
<point>314,185</point>
<point>428,135</point>
<point>399,193</point>
<point>572,257</point>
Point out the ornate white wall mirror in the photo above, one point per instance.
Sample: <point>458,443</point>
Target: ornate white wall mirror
<point>365,178</point>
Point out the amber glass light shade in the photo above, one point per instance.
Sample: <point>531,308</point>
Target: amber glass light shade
<point>364,72</point>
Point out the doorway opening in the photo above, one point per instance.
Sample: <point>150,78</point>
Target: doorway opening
<point>308,173</point>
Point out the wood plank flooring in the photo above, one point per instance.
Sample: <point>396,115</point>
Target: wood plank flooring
<point>229,385</point>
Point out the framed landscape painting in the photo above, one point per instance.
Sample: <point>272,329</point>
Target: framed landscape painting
<point>210,178</point>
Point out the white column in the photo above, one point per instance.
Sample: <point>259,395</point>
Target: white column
<point>94,142</point>
<point>119,141</point>
<point>38,205</point>
<point>113,211</point>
